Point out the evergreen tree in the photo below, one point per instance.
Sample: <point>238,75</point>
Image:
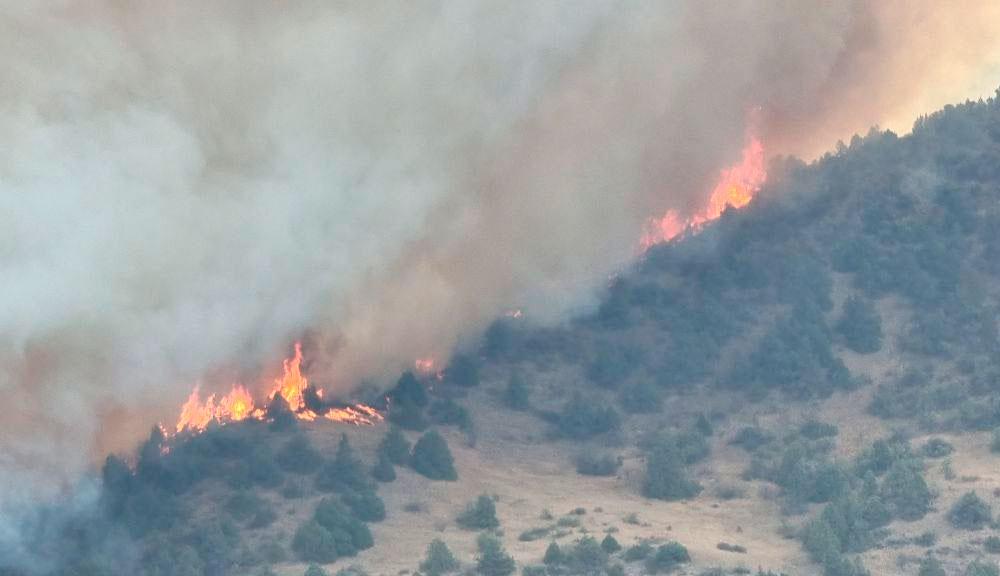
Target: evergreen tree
<point>861,326</point>
<point>553,555</point>
<point>492,559</point>
<point>666,478</point>
<point>432,458</point>
<point>905,491</point>
<point>610,545</point>
<point>439,559</point>
<point>384,471</point>
<point>395,446</point>
<point>344,472</point>
<point>931,566</point>
<point>479,515</point>
<point>516,396</point>
<point>315,570</point>
<point>970,512</point>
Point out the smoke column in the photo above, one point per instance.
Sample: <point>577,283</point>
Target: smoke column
<point>187,186</point>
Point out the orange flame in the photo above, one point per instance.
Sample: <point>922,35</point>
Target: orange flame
<point>424,365</point>
<point>292,383</point>
<point>239,405</point>
<point>736,187</point>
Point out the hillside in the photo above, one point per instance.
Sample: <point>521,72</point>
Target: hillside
<point>813,380</point>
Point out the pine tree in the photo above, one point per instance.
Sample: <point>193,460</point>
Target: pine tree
<point>384,471</point>
<point>432,458</point>
<point>439,559</point>
<point>395,446</point>
<point>493,560</point>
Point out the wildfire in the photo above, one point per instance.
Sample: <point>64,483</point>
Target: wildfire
<point>238,404</point>
<point>736,187</point>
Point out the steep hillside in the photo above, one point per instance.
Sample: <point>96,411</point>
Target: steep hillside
<point>811,384</point>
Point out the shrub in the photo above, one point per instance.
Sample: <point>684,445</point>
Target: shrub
<point>439,559</point>
<point>586,557</point>
<point>533,534</point>
<point>931,566</point>
<point>463,371</point>
<point>667,557</point>
<point>970,512</point>
<point>583,418</point>
<point>365,505</point>
<point>492,559</point>
<point>995,441</point>
<point>610,545</point>
<point>640,551</point>
<point>981,568</point>
<point>264,517</point>
<point>534,571</point>
<point>727,547</point>
<point>479,515</point>
<point>344,472</point>
<point>860,325</point>
<point>590,464</point>
<point>432,458</point>
<point>992,544</point>
<point>516,395</point>
<point>553,555</point>
<point>750,438</point>
<point>315,570</point>
<point>641,397</point>
<point>314,543</point>
<point>814,430</point>
<point>298,456</point>
<point>905,492</point>
<point>449,413</point>
<point>666,478</point>
<point>395,446</point>
<point>937,448</point>
<point>350,533</point>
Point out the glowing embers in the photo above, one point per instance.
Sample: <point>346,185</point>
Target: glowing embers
<point>736,187</point>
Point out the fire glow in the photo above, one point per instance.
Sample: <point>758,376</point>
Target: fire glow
<point>736,187</point>
<point>239,404</point>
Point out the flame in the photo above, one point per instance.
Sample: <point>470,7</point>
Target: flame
<point>233,407</point>
<point>292,383</point>
<point>515,313</point>
<point>736,187</point>
<point>196,415</point>
<point>424,365</point>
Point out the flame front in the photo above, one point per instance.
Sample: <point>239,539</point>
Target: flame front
<point>238,404</point>
<point>736,187</point>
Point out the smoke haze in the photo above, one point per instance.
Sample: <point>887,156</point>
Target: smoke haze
<point>186,187</point>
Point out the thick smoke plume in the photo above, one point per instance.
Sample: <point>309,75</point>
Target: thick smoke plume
<point>185,187</point>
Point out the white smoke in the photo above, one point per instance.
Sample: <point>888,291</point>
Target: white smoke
<point>186,187</point>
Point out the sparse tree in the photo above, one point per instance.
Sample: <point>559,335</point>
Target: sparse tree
<point>439,559</point>
<point>479,515</point>
<point>492,559</point>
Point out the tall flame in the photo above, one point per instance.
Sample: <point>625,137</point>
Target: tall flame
<point>238,404</point>
<point>736,187</point>
<point>292,383</point>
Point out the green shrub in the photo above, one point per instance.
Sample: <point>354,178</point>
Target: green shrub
<point>641,397</point>
<point>750,438</point>
<point>992,544</point>
<point>553,555</point>
<point>315,570</point>
<point>905,492</point>
<point>298,456</point>
<point>995,441</point>
<point>463,371</point>
<point>814,430</point>
<point>931,566</point>
<point>384,471</point>
<point>395,446</point>
<point>591,464</point>
<point>666,478</point>
<point>583,418</point>
<point>534,534</point>
<point>937,448</point>
<point>439,559</point>
<point>432,458</point>
<point>586,557</point>
<point>516,395</point>
<point>365,504</point>
<point>981,568</point>
<point>667,557</point>
<point>860,325</point>
<point>479,515</point>
<point>534,571</point>
<point>344,472</point>
<point>492,559</point>
<point>640,551</point>
<point>610,545</point>
<point>970,512</point>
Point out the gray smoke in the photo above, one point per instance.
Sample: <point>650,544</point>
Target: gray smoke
<point>186,187</point>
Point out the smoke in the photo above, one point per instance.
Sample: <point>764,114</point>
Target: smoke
<point>185,187</point>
